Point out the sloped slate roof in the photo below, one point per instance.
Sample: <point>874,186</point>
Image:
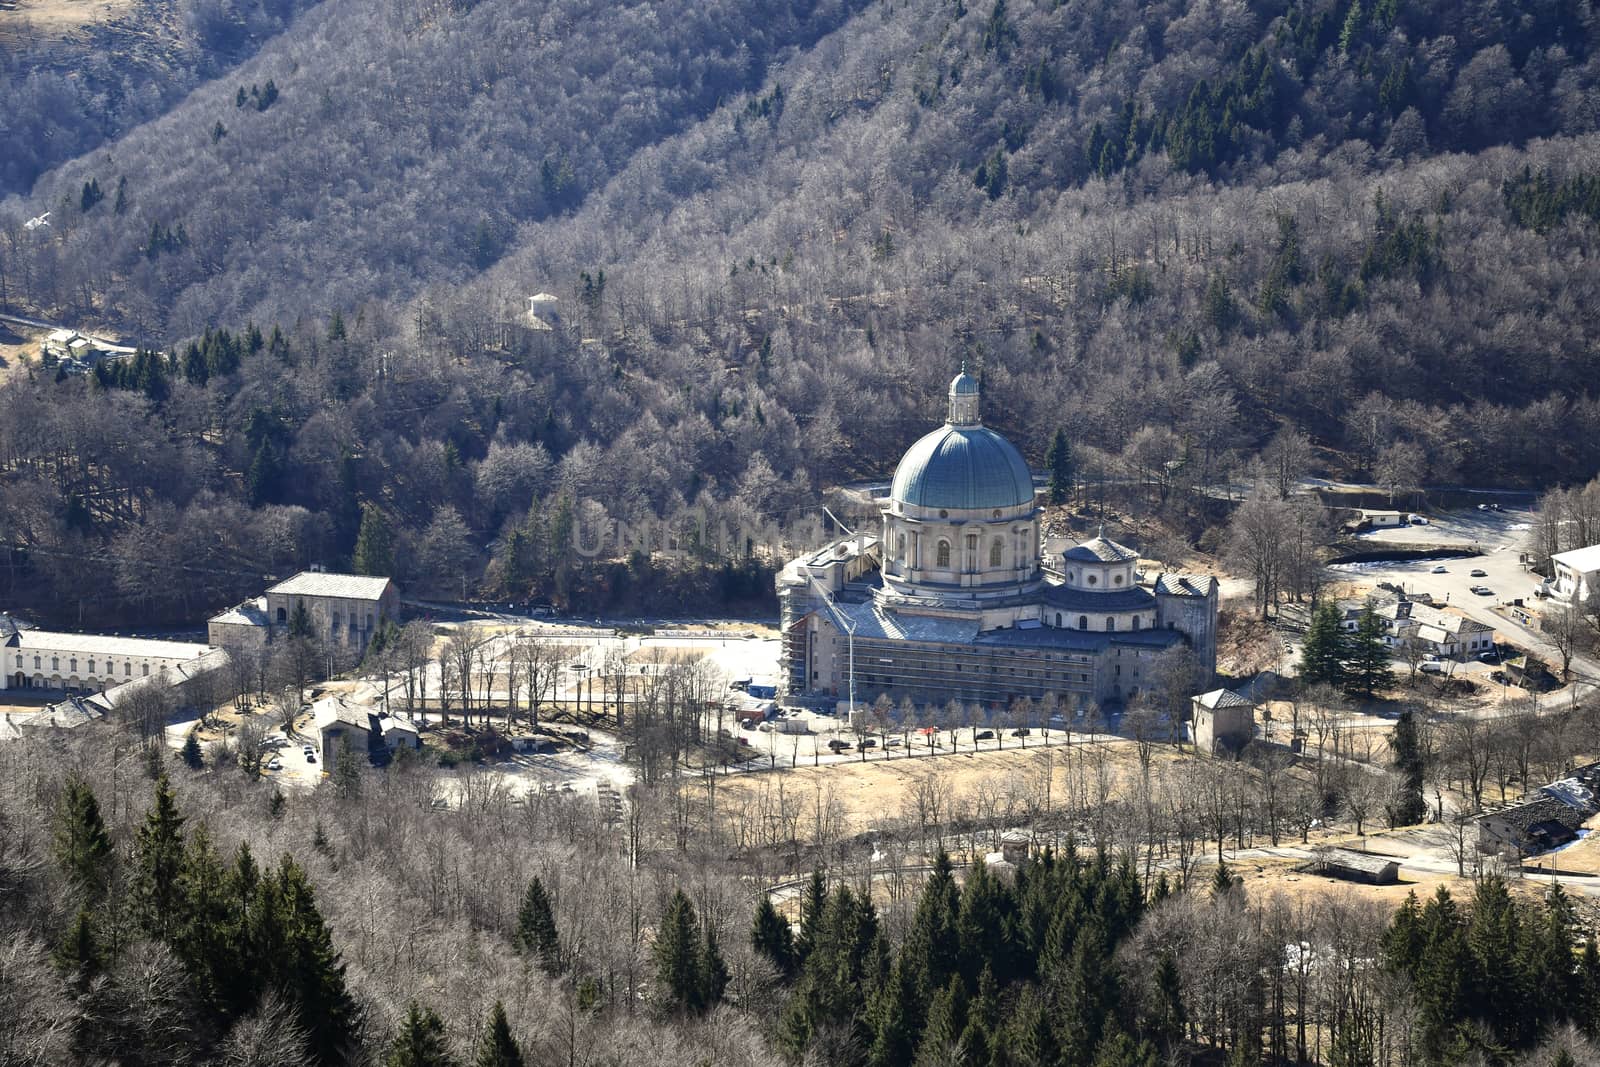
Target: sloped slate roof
<point>326,583</point>
<point>1184,584</point>
<point>1070,599</point>
<point>1223,698</point>
<point>1100,550</point>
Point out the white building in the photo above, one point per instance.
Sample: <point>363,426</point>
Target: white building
<point>85,663</point>
<point>955,598</point>
<point>1577,574</point>
<point>1440,633</point>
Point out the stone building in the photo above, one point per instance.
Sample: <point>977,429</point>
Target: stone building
<point>1222,721</point>
<point>343,611</point>
<point>955,598</point>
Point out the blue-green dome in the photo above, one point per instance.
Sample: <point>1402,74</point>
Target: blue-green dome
<point>963,384</point>
<point>963,467</point>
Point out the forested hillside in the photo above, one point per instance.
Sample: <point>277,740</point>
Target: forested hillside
<point>68,91</point>
<point>1170,229</point>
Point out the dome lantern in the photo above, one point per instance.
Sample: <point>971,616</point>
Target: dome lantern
<point>964,399</point>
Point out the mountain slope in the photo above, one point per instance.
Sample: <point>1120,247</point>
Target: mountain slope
<point>405,144</point>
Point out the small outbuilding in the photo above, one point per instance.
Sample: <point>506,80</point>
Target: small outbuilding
<point>1352,866</point>
<point>1222,721</point>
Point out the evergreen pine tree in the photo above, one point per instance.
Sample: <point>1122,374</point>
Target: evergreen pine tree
<point>771,937</point>
<point>536,928</point>
<point>1409,805</point>
<point>420,1042</point>
<point>193,757</point>
<point>812,902</point>
<point>374,552</point>
<point>346,772</point>
<point>1585,1009</point>
<point>158,858</point>
<point>894,1039</point>
<point>308,967</point>
<point>947,1019</point>
<point>1169,1017</point>
<point>1322,655</point>
<point>261,480</point>
<point>677,956</point>
<point>1368,669</point>
<point>1063,471</point>
<point>932,948</point>
<point>497,1047</point>
<point>1222,880</point>
<point>82,845</point>
<point>81,955</point>
<point>713,970</point>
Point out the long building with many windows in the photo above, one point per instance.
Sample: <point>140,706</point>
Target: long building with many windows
<point>954,597</point>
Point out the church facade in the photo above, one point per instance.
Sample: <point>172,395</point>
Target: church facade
<point>955,598</point>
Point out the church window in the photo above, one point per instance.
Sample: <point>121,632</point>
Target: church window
<point>1117,580</point>
<point>146,667</point>
<point>900,548</point>
<point>1058,619</point>
<point>1111,623</point>
<point>74,664</point>
<point>1092,579</point>
<point>1136,622</point>
<point>283,616</point>
<point>36,663</point>
<point>1083,622</point>
<point>996,547</point>
<point>127,670</point>
<point>55,663</point>
<point>91,666</point>
<point>941,555</point>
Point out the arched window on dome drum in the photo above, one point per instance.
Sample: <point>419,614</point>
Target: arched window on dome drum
<point>996,548</point>
<point>1083,622</point>
<point>1111,623</point>
<point>900,548</point>
<point>1058,620</point>
<point>941,555</point>
<point>1136,622</point>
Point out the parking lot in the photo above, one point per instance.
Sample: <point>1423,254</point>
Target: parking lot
<point>1496,541</point>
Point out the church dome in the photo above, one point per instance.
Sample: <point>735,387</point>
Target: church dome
<point>963,468</point>
<point>963,384</point>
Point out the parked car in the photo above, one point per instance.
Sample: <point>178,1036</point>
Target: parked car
<point>1483,507</point>
<point>1418,520</point>
<point>1478,572</point>
<point>894,742</point>
<point>1483,590</point>
<point>275,764</point>
<point>984,735</point>
<point>867,743</point>
<point>1432,667</point>
<point>1439,570</point>
<point>1489,657</point>
<point>1021,731</point>
<point>838,744</point>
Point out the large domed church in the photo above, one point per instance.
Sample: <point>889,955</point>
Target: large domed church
<point>955,597</point>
